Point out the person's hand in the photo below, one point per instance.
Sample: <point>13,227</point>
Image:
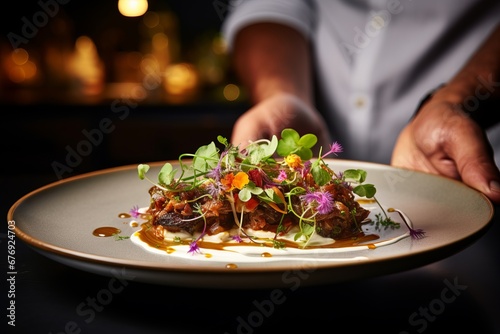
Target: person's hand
<point>272,115</point>
<point>443,140</point>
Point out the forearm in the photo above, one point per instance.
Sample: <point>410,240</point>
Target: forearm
<point>479,80</point>
<point>271,59</point>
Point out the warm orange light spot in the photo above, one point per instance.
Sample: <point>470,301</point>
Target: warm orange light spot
<point>85,66</point>
<point>151,19</point>
<point>180,79</point>
<point>19,67</point>
<point>132,8</point>
<point>231,92</point>
<point>19,56</point>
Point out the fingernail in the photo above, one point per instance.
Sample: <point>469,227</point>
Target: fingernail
<point>495,185</point>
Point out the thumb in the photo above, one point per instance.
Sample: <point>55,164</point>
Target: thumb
<point>482,176</point>
<point>478,169</point>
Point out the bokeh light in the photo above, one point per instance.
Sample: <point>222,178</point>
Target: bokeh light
<point>132,8</point>
<point>231,92</point>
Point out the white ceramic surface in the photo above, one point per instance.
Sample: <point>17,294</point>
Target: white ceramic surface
<point>58,220</point>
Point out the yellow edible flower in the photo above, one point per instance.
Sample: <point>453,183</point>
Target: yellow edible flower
<point>293,161</point>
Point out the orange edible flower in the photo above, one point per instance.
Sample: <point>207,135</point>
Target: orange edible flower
<point>227,181</point>
<point>240,180</point>
<point>231,181</point>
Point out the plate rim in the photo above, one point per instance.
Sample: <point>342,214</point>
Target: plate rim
<point>39,245</point>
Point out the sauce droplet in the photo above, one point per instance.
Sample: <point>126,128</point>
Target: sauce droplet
<point>266,254</point>
<point>124,215</point>
<point>365,200</point>
<point>208,255</point>
<point>231,266</point>
<point>106,231</point>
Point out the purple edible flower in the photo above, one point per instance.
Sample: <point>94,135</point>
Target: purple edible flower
<point>282,176</point>
<point>344,183</point>
<point>194,248</point>
<point>320,200</point>
<point>215,173</point>
<point>134,212</point>
<point>214,189</point>
<point>335,148</point>
<point>237,238</point>
<point>415,233</point>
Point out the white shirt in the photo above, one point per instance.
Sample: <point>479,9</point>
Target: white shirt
<point>377,58</point>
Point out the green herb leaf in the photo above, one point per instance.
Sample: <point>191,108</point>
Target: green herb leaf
<point>270,148</point>
<point>308,140</point>
<point>222,140</point>
<point>142,169</point>
<point>306,230</point>
<point>244,195</point>
<point>321,176</point>
<point>166,174</point>
<point>206,158</point>
<point>365,190</point>
<point>304,153</point>
<point>271,196</point>
<point>358,175</point>
<point>292,142</point>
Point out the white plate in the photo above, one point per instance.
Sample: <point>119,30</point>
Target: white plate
<point>58,220</point>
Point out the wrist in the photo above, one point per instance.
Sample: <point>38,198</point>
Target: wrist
<point>479,106</point>
<point>423,101</point>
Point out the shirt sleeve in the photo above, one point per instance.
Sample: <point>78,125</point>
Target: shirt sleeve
<point>298,14</point>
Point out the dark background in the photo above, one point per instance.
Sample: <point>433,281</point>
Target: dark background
<point>43,125</point>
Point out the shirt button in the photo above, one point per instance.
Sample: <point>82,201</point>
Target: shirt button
<point>359,101</point>
<point>378,22</point>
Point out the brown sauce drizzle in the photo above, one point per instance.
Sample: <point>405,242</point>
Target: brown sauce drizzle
<point>106,231</point>
<point>147,235</point>
<point>365,200</point>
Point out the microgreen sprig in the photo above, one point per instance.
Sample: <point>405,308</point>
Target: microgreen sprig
<point>119,237</point>
<point>193,246</point>
<point>368,190</point>
<point>142,169</point>
<point>415,233</point>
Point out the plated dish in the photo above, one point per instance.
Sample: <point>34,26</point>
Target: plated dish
<point>270,198</point>
<point>60,220</point>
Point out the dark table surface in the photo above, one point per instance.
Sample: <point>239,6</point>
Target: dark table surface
<point>460,293</point>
